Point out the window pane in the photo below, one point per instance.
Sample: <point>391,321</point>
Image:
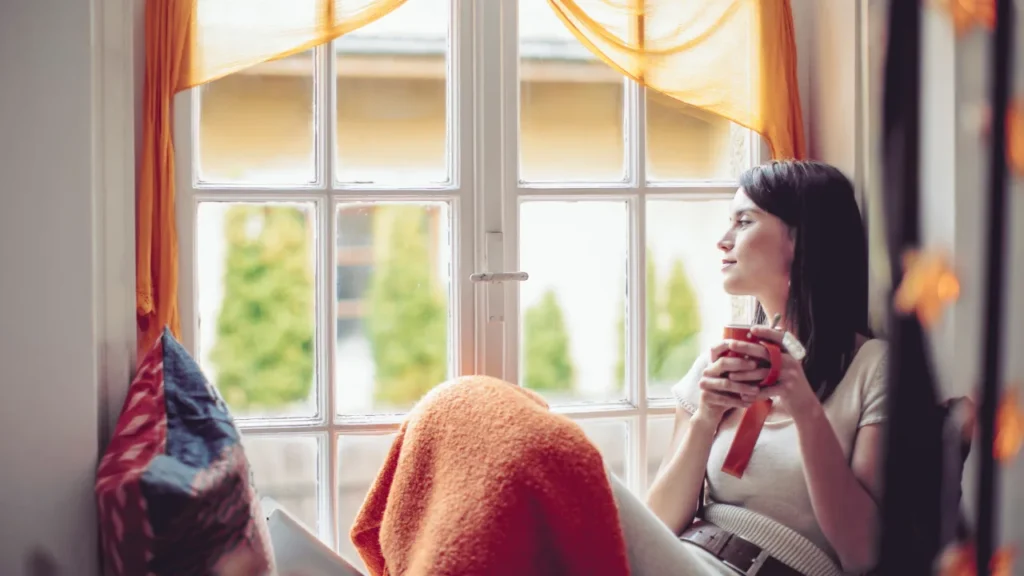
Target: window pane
<point>359,461</point>
<point>256,125</point>
<point>256,277</point>
<point>570,105</point>
<point>610,437</point>
<point>393,303</point>
<point>684,143</point>
<point>571,322</point>
<point>659,438</point>
<point>284,467</point>
<point>686,305</point>
<point>392,101</point>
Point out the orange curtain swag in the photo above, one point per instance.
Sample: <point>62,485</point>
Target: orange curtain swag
<point>733,58</point>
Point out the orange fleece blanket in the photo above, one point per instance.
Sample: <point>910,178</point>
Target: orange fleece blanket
<point>484,480</point>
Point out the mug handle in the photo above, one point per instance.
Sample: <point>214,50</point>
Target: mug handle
<point>775,361</point>
<point>742,447</point>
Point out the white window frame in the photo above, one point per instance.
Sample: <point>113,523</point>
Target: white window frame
<point>503,215</point>
<point>485,194</point>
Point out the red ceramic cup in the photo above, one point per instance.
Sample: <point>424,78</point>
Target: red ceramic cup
<point>753,418</point>
<point>742,333</point>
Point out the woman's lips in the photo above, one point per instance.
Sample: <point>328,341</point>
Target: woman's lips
<point>726,264</point>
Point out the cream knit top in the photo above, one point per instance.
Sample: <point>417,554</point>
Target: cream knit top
<point>770,506</point>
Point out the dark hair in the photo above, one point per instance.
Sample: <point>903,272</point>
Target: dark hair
<point>828,293</point>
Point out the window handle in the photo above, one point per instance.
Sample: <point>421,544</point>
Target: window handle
<point>499,277</point>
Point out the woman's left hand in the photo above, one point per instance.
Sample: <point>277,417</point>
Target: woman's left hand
<point>792,388</point>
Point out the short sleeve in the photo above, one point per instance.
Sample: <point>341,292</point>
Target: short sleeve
<point>876,391</point>
<point>687,390</point>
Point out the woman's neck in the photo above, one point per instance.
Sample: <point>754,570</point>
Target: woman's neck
<point>772,307</point>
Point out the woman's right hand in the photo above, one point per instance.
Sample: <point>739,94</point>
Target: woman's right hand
<point>727,382</point>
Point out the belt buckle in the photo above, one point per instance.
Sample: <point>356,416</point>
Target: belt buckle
<point>755,566</point>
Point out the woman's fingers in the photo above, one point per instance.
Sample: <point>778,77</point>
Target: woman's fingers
<point>726,385</point>
<point>752,376</point>
<point>724,400</point>
<point>718,350</point>
<point>765,333</point>
<point>727,364</point>
<point>752,349</point>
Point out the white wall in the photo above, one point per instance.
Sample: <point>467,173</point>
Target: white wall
<point>48,368</point>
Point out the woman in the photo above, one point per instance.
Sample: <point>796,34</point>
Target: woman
<point>808,500</point>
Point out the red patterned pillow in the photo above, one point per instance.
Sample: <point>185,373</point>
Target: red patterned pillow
<point>173,488</point>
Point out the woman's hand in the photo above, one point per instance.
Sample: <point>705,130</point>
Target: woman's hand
<point>792,388</point>
<point>728,382</point>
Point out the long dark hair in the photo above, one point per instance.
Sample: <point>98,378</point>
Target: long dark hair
<point>828,293</point>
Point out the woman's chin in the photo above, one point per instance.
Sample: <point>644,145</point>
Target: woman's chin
<point>734,288</point>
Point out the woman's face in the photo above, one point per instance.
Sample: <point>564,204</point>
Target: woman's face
<point>757,251</point>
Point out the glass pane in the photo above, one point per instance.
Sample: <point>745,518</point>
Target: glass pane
<point>686,305</point>
<point>571,322</point>
<point>659,437</point>
<point>570,105</point>
<point>393,290</point>
<point>392,101</point>
<point>285,469</point>
<point>256,276</point>
<point>256,125</point>
<point>611,438</point>
<point>359,460</point>
<point>684,143</point>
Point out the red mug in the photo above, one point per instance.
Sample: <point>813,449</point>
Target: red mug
<point>753,418</point>
<point>743,333</point>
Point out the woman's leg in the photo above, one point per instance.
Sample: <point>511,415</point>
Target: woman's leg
<point>652,548</point>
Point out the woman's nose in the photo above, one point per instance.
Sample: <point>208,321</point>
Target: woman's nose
<point>725,243</point>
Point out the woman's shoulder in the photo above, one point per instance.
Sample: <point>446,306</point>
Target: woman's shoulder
<point>867,368</point>
<point>870,358</point>
<point>864,388</point>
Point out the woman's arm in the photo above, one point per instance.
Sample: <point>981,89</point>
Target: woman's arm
<point>844,496</point>
<point>673,496</point>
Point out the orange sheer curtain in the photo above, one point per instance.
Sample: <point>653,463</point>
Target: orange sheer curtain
<point>189,43</point>
<point>733,58</point>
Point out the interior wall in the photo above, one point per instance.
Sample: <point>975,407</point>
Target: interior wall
<point>49,418</point>
<point>827,43</point>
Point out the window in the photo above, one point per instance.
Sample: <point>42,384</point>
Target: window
<point>333,205</point>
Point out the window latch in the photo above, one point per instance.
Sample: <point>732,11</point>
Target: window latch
<point>499,277</point>
<point>494,282</point>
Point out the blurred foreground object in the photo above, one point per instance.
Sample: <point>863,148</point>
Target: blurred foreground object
<point>929,286</point>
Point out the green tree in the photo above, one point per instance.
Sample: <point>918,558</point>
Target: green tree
<point>673,327</point>
<point>676,342</point>
<point>263,355</point>
<point>547,361</point>
<point>407,315</point>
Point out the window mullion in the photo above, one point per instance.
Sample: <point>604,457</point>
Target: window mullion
<point>637,302</point>
<point>637,332</point>
<point>463,140</point>
<point>494,53</point>
<point>186,112</point>
<point>324,115</point>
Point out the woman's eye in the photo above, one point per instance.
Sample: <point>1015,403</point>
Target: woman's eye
<point>744,222</point>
